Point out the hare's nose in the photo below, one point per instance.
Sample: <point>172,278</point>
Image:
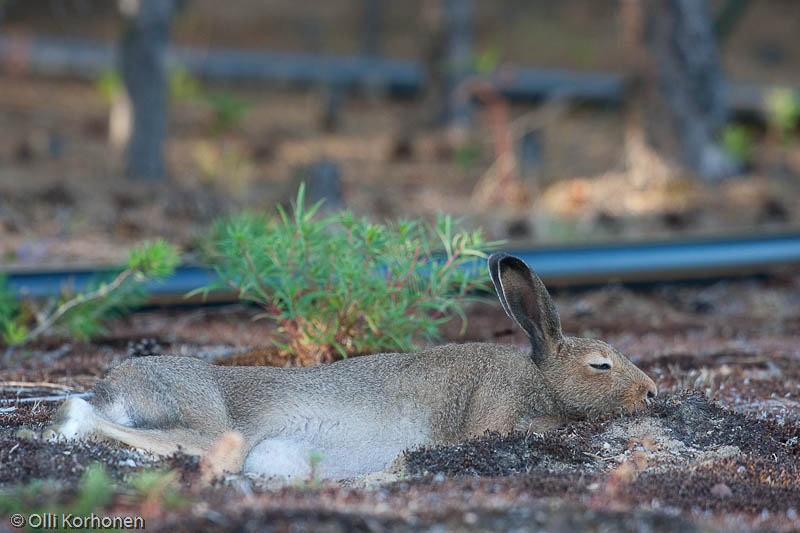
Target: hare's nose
<point>652,390</point>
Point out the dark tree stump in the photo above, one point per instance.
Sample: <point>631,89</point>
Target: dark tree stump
<point>142,56</point>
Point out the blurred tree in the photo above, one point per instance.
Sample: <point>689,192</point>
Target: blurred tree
<point>432,35</point>
<point>371,27</point>
<point>142,57</point>
<point>675,100</point>
<point>458,25</point>
<point>445,31</point>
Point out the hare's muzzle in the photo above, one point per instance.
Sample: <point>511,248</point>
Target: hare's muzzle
<point>640,393</point>
<point>646,391</point>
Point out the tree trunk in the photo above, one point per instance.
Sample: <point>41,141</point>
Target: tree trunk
<point>675,100</point>
<point>458,55</point>
<point>142,57</point>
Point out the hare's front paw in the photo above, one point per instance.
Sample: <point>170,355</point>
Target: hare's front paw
<point>73,420</point>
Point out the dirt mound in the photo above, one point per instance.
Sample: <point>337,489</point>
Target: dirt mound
<point>683,427</point>
<point>499,455</point>
<point>682,452</point>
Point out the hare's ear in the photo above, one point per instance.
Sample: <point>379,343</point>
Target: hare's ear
<point>526,300</point>
<point>494,273</point>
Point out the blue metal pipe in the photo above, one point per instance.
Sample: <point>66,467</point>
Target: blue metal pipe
<point>662,260</point>
<point>49,283</point>
<point>556,265</point>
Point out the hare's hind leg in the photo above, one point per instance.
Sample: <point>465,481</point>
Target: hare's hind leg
<point>228,453</point>
<point>77,418</point>
<point>156,441</point>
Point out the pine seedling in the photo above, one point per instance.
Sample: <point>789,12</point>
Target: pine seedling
<point>341,285</point>
<point>84,314</point>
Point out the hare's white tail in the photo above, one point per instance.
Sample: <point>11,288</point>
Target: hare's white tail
<point>73,420</point>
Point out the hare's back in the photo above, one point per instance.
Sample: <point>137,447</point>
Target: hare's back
<point>161,392</point>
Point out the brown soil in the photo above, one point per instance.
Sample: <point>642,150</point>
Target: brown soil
<point>724,455</point>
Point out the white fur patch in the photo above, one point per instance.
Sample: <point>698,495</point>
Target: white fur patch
<point>598,359</point>
<point>77,419</point>
<point>117,414</point>
<point>280,457</point>
<point>343,444</point>
<point>351,456</point>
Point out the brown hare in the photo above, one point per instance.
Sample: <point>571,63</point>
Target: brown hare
<point>359,414</point>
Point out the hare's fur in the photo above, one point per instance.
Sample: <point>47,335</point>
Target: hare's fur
<point>357,415</point>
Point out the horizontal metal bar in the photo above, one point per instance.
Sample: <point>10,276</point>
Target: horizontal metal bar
<point>48,283</point>
<point>556,265</point>
<point>662,261</point>
<point>80,57</point>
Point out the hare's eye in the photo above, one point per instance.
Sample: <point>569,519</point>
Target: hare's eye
<point>600,366</point>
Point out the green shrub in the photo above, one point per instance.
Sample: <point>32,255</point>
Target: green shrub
<point>487,61</point>
<point>783,112</point>
<point>182,85</point>
<point>11,330</point>
<point>466,156</point>
<point>95,490</point>
<point>341,285</point>
<point>110,85</point>
<point>95,493</point>
<point>229,110</point>
<point>157,487</point>
<point>83,315</point>
<point>738,143</point>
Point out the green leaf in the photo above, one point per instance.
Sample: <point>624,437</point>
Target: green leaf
<point>14,333</point>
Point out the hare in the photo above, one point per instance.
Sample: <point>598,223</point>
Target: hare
<point>359,414</point>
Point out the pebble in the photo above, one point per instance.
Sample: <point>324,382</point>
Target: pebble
<point>721,490</point>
